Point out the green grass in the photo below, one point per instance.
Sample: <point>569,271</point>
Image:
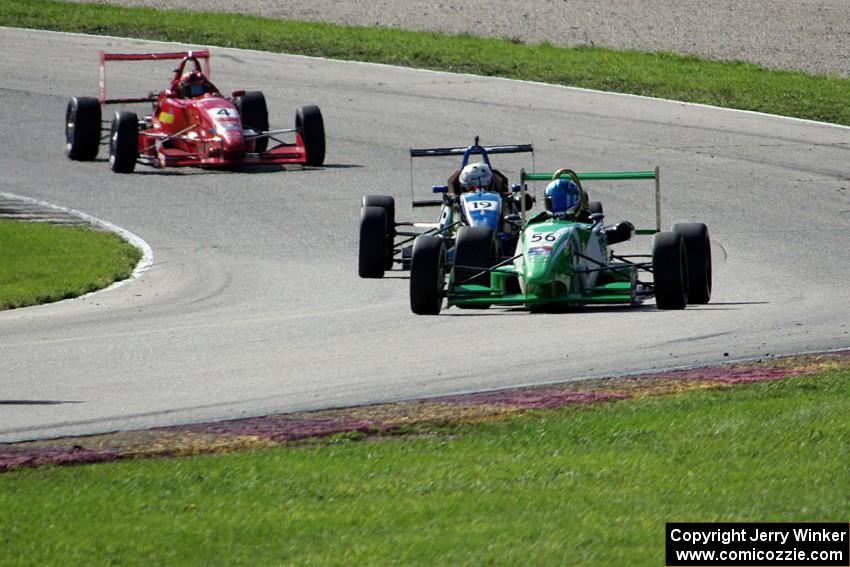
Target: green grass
<point>731,84</point>
<point>590,485</point>
<point>580,486</point>
<point>40,262</point>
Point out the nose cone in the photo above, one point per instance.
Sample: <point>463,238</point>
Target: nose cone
<point>538,267</point>
<point>547,247</point>
<point>232,140</point>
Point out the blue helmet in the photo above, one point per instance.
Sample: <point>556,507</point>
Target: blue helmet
<point>562,196</point>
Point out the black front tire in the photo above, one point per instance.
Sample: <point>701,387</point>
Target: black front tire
<point>474,251</point>
<point>82,128</point>
<point>388,204</point>
<point>670,270</point>
<point>427,275</point>
<point>698,249</point>
<point>372,251</point>
<point>311,127</point>
<point>124,142</point>
<point>255,115</point>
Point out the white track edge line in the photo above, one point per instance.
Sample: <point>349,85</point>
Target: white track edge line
<point>147,252</point>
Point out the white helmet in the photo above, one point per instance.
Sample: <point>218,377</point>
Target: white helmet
<point>476,176</point>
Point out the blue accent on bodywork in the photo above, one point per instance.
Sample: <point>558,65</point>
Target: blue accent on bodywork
<point>482,208</point>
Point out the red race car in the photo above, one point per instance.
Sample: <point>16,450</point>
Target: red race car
<point>192,124</point>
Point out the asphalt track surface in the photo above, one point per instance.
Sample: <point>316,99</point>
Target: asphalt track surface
<point>253,305</point>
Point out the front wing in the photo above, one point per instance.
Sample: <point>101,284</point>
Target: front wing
<point>212,154</point>
<point>620,291</point>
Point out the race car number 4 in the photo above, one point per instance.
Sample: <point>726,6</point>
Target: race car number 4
<point>224,112</point>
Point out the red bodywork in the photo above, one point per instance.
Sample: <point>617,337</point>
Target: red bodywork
<point>199,131</point>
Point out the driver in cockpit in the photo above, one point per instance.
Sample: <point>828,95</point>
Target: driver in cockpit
<point>194,84</point>
<point>477,176</point>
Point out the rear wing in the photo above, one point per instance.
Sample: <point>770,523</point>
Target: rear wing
<point>203,55</point>
<point>466,152</point>
<point>606,176</point>
<point>474,149</point>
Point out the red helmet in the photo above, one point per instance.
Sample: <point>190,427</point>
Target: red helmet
<point>192,84</point>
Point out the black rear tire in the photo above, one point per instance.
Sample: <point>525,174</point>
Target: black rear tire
<point>427,275</point>
<point>255,115</point>
<point>82,128</point>
<point>124,142</point>
<point>698,249</point>
<point>475,248</point>
<point>311,127</point>
<point>388,204</point>
<point>670,271</point>
<point>373,248</point>
<point>384,201</point>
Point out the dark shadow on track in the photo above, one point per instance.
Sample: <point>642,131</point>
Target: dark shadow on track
<point>37,402</point>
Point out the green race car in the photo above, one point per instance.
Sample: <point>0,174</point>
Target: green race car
<point>563,258</point>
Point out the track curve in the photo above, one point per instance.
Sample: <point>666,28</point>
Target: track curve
<point>253,303</point>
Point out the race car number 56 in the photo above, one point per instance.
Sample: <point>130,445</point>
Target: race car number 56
<point>537,237</point>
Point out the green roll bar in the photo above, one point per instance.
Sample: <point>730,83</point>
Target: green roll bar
<point>600,176</point>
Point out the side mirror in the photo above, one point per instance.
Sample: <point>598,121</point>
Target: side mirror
<point>240,92</point>
<point>540,217</point>
<point>529,200</point>
<point>512,218</point>
<point>596,217</point>
<point>516,187</point>
<point>440,189</point>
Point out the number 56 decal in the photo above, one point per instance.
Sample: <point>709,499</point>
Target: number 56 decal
<point>549,237</point>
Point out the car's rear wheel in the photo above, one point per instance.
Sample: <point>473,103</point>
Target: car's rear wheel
<point>310,125</point>
<point>698,250</point>
<point>427,275</point>
<point>670,270</point>
<point>474,252</point>
<point>373,249</point>
<point>124,142</point>
<point>255,115</point>
<point>388,204</point>
<point>82,128</point>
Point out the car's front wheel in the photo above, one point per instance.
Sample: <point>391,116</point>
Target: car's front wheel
<point>372,248</point>
<point>82,128</point>
<point>670,270</point>
<point>124,142</point>
<point>388,204</point>
<point>474,253</point>
<point>254,115</point>
<point>427,275</point>
<point>698,250</point>
<point>311,127</point>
